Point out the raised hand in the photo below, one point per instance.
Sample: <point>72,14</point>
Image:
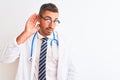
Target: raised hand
<point>30,29</point>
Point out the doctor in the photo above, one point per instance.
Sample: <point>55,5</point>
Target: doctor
<point>26,47</point>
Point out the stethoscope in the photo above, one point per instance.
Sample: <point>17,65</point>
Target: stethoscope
<point>51,43</point>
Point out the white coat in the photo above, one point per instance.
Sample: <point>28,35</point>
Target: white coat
<point>25,67</point>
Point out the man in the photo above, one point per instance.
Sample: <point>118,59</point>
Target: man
<point>27,48</point>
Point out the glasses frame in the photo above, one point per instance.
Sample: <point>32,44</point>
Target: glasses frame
<point>49,20</point>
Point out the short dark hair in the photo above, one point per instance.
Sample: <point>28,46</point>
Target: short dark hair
<point>48,6</point>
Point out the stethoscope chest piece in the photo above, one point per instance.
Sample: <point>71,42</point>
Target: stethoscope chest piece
<point>30,59</point>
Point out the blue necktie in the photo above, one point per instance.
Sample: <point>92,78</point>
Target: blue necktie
<point>42,60</point>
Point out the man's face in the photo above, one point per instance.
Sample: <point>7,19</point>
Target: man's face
<point>48,21</point>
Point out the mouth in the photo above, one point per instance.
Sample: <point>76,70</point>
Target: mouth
<point>50,30</point>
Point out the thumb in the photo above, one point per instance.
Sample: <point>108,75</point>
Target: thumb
<point>37,27</point>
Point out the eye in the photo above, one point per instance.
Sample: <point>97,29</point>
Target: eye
<point>48,20</point>
<point>56,21</point>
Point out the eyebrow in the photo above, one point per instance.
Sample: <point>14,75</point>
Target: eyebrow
<point>50,17</point>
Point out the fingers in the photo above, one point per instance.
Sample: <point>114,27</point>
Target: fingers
<point>31,26</point>
<point>33,18</point>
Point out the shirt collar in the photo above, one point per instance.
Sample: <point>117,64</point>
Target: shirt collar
<point>39,36</point>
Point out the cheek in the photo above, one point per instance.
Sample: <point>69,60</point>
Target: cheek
<point>43,24</point>
<point>43,27</point>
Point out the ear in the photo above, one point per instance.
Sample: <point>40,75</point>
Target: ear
<point>38,17</point>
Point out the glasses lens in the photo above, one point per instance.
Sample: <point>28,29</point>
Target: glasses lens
<point>56,21</point>
<point>48,20</point>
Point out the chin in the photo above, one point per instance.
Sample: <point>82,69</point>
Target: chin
<point>49,33</point>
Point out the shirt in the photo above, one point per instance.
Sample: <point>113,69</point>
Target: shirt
<point>51,60</point>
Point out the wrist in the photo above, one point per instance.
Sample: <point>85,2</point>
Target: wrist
<point>22,37</point>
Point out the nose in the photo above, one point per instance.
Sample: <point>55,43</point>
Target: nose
<point>52,25</point>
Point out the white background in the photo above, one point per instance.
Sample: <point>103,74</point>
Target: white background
<point>90,27</point>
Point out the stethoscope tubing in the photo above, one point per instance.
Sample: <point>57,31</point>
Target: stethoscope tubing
<point>32,45</point>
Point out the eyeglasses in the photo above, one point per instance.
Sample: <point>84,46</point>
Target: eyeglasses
<point>48,20</point>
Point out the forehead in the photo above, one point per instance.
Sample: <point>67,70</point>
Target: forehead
<point>50,14</point>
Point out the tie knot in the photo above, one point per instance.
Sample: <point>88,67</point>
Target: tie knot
<point>44,39</point>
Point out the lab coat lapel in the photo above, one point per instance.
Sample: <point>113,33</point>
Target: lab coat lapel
<point>33,58</point>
